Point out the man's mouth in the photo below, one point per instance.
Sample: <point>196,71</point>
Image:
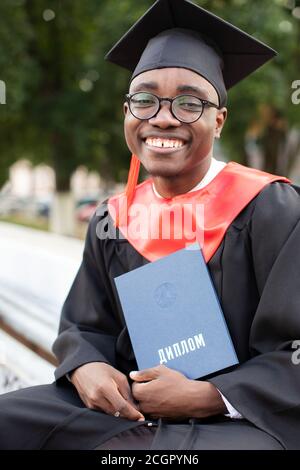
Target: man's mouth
<point>164,143</point>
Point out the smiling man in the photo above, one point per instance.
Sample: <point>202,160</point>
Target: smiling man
<point>183,59</point>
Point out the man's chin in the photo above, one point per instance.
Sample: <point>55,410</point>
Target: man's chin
<point>162,172</point>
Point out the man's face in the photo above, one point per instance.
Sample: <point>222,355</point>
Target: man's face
<point>194,142</point>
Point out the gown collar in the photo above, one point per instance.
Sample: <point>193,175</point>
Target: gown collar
<point>215,167</point>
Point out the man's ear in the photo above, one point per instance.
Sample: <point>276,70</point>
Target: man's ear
<point>125,108</point>
<point>220,121</point>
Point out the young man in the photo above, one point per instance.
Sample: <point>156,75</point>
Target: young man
<point>174,111</point>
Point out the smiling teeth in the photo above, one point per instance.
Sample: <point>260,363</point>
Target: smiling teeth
<point>164,143</point>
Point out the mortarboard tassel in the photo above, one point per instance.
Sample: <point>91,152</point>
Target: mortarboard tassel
<point>132,181</point>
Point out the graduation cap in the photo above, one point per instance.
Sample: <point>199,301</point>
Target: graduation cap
<point>178,33</point>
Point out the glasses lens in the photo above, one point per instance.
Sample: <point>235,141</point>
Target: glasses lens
<point>187,108</point>
<point>144,105</point>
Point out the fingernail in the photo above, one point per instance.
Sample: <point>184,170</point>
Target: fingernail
<point>141,419</point>
<point>134,372</point>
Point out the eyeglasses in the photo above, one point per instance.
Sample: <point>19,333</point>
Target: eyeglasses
<point>185,108</point>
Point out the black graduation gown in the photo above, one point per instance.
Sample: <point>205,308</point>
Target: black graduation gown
<point>256,273</point>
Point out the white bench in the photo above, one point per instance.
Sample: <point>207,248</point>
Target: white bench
<point>36,272</point>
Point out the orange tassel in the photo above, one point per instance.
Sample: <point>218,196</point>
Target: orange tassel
<point>132,182</point>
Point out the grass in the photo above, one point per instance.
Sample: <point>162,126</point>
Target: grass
<point>38,223</point>
<point>41,223</point>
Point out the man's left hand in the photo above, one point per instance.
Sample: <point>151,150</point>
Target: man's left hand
<point>166,393</point>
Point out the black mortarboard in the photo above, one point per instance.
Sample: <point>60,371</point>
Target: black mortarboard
<point>178,33</point>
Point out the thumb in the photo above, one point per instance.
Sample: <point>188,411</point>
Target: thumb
<point>144,375</point>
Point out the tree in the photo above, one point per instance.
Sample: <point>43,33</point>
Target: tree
<point>17,72</point>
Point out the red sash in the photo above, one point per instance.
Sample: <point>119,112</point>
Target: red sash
<point>220,202</point>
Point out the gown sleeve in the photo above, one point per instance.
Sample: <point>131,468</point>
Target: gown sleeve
<point>266,388</point>
<point>88,327</point>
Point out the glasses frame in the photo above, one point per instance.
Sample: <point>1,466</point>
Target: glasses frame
<point>205,103</point>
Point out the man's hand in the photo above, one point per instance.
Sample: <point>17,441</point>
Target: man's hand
<point>165,393</point>
<point>102,387</point>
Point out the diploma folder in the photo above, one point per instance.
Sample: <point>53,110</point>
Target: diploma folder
<point>174,317</point>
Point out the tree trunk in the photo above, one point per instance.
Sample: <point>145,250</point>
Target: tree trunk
<point>62,217</point>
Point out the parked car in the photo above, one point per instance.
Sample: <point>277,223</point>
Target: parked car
<point>85,209</point>
<point>11,204</point>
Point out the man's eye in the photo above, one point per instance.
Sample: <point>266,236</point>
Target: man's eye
<point>142,103</point>
<point>190,106</point>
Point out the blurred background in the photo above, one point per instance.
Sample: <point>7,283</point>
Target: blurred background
<point>62,149</point>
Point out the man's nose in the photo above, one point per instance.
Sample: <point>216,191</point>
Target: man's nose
<point>164,118</point>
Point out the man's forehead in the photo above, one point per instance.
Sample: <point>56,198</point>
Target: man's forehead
<point>174,80</point>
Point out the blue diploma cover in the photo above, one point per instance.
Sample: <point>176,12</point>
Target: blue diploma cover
<point>174,317</point>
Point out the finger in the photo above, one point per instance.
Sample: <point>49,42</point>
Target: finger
<point>124,388</point>
<point>104,406</point>
<point>139,390</point>
<point>124,407</point>
<point>128,411</point>
<point>101,404</point>
<point>145,374</point>
<point>107,408</point>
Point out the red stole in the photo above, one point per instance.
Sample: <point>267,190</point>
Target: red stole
<point>157,227</point>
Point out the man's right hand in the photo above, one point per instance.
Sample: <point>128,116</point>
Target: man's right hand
<point>102,387</point>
